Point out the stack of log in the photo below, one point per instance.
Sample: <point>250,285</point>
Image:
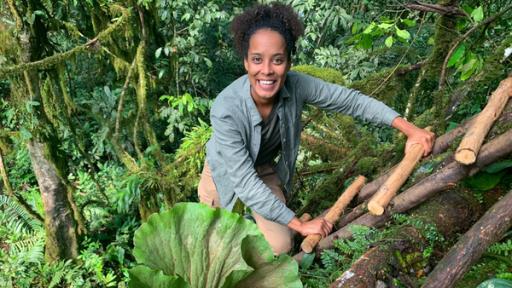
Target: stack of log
<point>471,156</point>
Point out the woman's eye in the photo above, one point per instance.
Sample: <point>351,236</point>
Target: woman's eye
<point>256,59</point>
<point>278,61</point>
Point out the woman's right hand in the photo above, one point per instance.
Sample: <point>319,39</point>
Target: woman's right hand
<point>315,226</point>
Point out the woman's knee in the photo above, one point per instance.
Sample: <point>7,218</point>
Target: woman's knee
<point>281,245</point>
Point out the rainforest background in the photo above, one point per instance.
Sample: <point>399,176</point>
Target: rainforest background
<point>104,114</point>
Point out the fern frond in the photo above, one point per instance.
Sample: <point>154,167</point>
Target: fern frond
<point>503,248</point>
<point>16,218</point>
<point>29,250</point>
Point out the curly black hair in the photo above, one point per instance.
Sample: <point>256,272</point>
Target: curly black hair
<point>275,16</point>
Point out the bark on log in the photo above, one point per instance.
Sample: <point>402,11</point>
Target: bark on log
<point>60,226</point>
<point>472,141</point>
<point>451,213</point>
<point>488,230</point>
<point>445,178</point>
<point>388,190</point>
<point>309,243</point>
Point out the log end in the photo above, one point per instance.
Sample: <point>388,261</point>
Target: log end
<point>375,208</point>
<point>465,156</point>
<point>306,247</point>
<point>310,242</point>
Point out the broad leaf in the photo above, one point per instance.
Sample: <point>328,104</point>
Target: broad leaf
<point>404,34</point>
<point>144,277</point>
<point>389,41</point>
<point>484,181</point>
<point>496,283</point>
<point>210,248</point>
<point>457,55</point>
<point>498,166</point>
<point>478,14</point>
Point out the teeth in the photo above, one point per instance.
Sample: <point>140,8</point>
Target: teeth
<point>264,82</point>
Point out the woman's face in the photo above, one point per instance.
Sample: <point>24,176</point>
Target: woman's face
<point>266,64</point>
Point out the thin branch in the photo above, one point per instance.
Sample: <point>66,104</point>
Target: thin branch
<point>443,10</point>
<point>401,59</point>
<point>442,77</point>
<point>121,99</point>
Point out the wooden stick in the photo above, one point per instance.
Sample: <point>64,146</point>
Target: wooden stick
<point>388,190</point>
<point>472,141</point>
<point>334,213</point>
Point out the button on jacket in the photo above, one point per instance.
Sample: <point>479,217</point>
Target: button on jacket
<point>233,147</point>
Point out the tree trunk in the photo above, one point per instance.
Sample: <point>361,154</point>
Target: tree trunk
<point>445,178</point>
<point>489,229</point>
<point>61,242</point>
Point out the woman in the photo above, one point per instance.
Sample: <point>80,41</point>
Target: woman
<point>256,119</point>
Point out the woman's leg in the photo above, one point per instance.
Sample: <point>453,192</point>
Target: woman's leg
<point>206,189</point>
<point>279,236</point>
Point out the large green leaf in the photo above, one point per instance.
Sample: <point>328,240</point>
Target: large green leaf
<point>145,277</point>
<point>211,248</point>
<point>496,283</point>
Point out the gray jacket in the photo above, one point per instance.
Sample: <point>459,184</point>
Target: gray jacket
<point>235,142</point>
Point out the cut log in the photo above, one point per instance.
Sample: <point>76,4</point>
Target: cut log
<point>388,190</point>
<point>334,213</point>
<point>488,230</point>
<point>442,144</point>
<point>472,141</point>
<point>446,177</point>
<point>450,212</point>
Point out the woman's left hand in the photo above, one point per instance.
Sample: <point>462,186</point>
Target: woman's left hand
<point>414,135</point>
<point>423,137</point>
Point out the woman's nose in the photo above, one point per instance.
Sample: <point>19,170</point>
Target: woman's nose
<point>267,68</point>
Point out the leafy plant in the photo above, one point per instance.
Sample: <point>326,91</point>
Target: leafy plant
<point>192,245</point>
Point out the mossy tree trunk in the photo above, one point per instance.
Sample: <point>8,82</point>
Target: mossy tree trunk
<point>60,217</point>
<point>60,226</point>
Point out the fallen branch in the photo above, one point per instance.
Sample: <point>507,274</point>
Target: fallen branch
<point>472,141</point>
<point>388,190</point>
<point>488,230</point>
<point>450,212</point>
<point>446,177</point>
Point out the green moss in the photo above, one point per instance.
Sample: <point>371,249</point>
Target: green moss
<point>367,165</point>
<point>326,74</point>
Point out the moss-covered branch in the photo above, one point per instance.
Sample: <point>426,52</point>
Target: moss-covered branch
<point>61,57</point>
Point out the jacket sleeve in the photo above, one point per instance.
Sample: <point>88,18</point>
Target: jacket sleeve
<point>240,169</point>
<point>337,98</point>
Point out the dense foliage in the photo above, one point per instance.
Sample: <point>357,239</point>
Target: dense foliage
<point>118,97</point>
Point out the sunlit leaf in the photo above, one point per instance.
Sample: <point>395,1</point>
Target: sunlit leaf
<point>389,41</point>
<point>385,25</point>
<point>404,34</point>
<point>478,14</point>
<point>409,22</point>
<point>457,55</point>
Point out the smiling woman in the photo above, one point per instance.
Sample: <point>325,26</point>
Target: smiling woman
<point>256,125</point>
